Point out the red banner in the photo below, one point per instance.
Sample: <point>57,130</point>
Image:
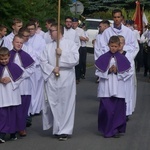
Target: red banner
<point>138,17</point>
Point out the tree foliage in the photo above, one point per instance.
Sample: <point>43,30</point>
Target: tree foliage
<point>26,9</point>
<point>43,9</point>
<point>103,8</point>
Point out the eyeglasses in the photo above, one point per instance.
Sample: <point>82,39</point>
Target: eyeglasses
<point>52,31</point>
<point>31,28</point>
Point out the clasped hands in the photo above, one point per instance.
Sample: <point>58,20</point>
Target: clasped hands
<point>113,69</point>
<point>5,80</point>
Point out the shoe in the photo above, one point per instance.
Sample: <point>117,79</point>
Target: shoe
<point>82,76</point>
<point>28,124</point>
<point>22,133</point>
<point>117,135</point>
<point>13,137</point>
<point>145,74</point>
<point>63,137</point>
<point>29,121</point>
<point>2,141</point>
<point>97,80</point>
<point>127,118</point>
<point>77,81</point>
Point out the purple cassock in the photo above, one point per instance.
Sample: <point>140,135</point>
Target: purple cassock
<point>26,61</point>
<point>112,110</point>
<point>102,63</point>
<point>15,71</point>
<point>9,117</point>
<point>25,58</point>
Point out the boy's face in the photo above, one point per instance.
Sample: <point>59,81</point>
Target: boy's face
<point>114,47</point>
<point>122,43</point>
<point>3,32</point>
<point>4,59</point>
<point>53,32</point>
<point>32,30</point>
<point>75,25</point>
<point>26,36</point>
<point>68,23</point>
<point>17,26</point>
<point>102,27</point>
<point>48,25</point>
<point>17,43</point>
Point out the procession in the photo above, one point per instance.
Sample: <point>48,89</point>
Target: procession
<point>48,78</point>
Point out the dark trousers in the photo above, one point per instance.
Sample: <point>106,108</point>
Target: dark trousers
<point>80,69</point>
<point>83,55</point>
<point>138,58</point>
<point>146,60</point>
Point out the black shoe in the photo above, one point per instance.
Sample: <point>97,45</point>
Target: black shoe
<point>97,80</point>
<point>127,118</point>
<point>28,124</point>
<point>63,137</point>
<point>145,74</point>
<point>13,137</point>
<point>82,76</point>
<point>2,141</point>
<point>29,121</point>
<point>117,135</point>
<point>2,137</point>
<point>77,81</point>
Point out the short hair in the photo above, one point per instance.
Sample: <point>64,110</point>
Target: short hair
<point>23,29</point>
<point>68,17</point>
<point>50,20</point>
<point>30,24</point>
<point>61,27</point>
<point>116,11</point>
<point>75,20</point>
<point>19,36</point>
<point>4,51</point>
<point>120,36</point>
<point>34,20</point>
<point>16,20</point>
<point>105,22</point>
<point>114,39</point>
<point>2,27</point>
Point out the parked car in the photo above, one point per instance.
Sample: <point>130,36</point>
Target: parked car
<point>92,30</point>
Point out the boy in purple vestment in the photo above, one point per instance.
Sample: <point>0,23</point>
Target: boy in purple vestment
<point>10,100</point>
<point>25,61</point>
<point>113,70</point>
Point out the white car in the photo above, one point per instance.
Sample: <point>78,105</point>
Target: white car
<point>92,30</point>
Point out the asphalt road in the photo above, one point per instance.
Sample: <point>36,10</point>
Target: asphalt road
<point>86,135</point>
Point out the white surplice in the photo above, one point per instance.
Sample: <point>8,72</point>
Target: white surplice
<point>25,86</point>
<point>8,41</point>
<point>37,44</point>
<point>112,84</point>
<point>47,37</point>
<point>10,93</point>
<point>59,109</point>
<point>72,35</point>
<point>131,86</point>
<point>131,44</point>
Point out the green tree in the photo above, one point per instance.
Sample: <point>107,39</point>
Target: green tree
<point>26,9</point>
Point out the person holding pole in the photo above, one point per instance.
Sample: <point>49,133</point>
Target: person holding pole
<point>60,91</point>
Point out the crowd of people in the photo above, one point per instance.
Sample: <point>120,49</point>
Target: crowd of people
<point>35,67</point>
